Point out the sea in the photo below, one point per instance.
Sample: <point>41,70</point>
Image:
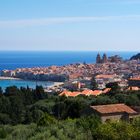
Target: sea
<point>24,83</point>
<point>27,59</point>
<point>21,59</point>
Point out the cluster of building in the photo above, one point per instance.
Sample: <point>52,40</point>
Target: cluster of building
<point>103,79</point>
<point>106,70</point>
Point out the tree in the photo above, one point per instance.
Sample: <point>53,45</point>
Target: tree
<point>59,109</point>
<point>39,92</point>
<point>1,91</point>
<point>89,124</point>
<point>11,90</point>
<point>93,84</point>
<point>17,109</point>
<point>3,133</point>
<point>106,132</point>
<point>115,88</point>
<point>46,120</point>
<point>74,107</point>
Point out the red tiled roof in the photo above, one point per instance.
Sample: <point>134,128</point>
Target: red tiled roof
<point>113,108</point>
<point>134,88</point>
<point>87,92</point>
<point>96,92</point>
<point>135,79</point>
<point>74,94</point>
<point>105,76</point>
<point>69,93</point>
<point>65,93</point>
<point>106,90</point>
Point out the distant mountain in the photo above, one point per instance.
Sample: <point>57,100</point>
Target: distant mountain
<point>135,57</point>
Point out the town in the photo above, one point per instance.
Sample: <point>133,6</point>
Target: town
<point>77,77</point>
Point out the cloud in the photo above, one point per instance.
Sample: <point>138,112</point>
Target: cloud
<point>63,20</point>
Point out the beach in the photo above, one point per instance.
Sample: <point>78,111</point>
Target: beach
<point>8,78</point>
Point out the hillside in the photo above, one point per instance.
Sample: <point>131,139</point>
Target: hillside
<point>135,57</point>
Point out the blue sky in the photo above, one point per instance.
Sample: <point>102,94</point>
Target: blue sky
<point>70,25</point>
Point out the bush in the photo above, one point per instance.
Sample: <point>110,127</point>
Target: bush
<point>3,133</point>
<point>46,120</point>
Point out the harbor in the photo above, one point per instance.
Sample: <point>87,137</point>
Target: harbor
<point>8,81</point>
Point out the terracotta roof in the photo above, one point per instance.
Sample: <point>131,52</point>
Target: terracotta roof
<point>104,76</point>
<point>74,94</point>
<point>87,92</point>
<point>96,92</point>
<point>106,90</point>
<point>65,92</point>
<point>134,88</point>
<point>69,93</point>
<point>135,79</point>
<point>113,108</point>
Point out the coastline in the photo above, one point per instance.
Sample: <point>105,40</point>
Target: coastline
<point>44,84</point>
<point>9,78</point>
<point>56,84</point>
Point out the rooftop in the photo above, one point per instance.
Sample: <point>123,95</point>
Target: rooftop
<point>135,79</point>
<point>104,76</point>
<point>113,108</point>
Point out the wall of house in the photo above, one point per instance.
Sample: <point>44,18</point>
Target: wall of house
<point>115,117</point>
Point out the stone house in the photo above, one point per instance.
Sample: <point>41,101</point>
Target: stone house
<point>114,112</point>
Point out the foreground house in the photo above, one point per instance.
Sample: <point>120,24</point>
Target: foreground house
<point>114,112</point>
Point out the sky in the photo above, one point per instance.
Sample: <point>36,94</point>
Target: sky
<point>72,25</point>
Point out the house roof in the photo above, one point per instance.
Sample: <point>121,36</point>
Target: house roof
<point>96,92</point>
<point>69,93</point>
<point>135,79</point>
<point>66,93</point>
<point>74,94</point>
<point>87,92</point>
<point>104,76</point>
<point>134,88</point>
<point>113,108</point>
<point>106,90</point>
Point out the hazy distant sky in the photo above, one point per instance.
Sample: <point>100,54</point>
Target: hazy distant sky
<point>70,25</point>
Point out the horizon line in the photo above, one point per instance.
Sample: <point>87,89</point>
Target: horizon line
<point>69,51</point>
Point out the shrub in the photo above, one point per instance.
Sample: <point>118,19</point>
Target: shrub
<point>3,133</point>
